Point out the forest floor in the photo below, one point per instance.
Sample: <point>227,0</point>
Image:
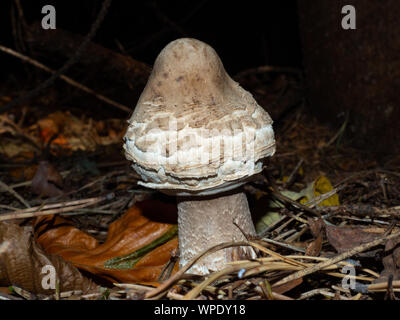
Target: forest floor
<point>326,212</point>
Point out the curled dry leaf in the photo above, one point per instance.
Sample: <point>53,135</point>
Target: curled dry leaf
<point>47,180</point>
<point>22,263</point>
<point>137,248</point>
<point>317,228</point>
<point>314,248</point>
<point>391,261</point>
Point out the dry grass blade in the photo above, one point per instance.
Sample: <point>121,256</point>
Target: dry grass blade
<point>383,286</point>
<point>321,291</point>
<point>133,286</point>
<point>141,288</point>
<point>178,275</point>
<point>236,267</point>
<point>60,208</point>
<point>277,255</point>
<point>336,259</point>
<point>317,200</point>
<point>213,277</point>
<point>284,245</point>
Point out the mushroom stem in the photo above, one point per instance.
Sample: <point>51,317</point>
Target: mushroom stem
<point>208,221</point>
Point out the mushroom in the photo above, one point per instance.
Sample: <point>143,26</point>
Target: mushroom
<point>196,134</point>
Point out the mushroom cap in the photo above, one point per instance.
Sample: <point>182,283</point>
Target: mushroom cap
<point>194,130</point>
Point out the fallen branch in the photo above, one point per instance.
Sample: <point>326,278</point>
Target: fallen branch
<point>66,79</point>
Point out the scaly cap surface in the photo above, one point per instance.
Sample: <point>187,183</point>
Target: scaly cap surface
<point>194,129</point>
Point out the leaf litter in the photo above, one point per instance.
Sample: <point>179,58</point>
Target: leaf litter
<point>70,200</point>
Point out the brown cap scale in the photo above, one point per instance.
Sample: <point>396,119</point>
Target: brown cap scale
<point>195,133</point>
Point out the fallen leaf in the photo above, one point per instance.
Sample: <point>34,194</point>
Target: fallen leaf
<point>24,173</point>
<point>391,261</point>
<point>47,180</point>
<point>288,286</point>
<point>272,215</point>
<point>314,248</point>
<point>320,186</point>
<point>10,149</point>
<point>346,238</point>
<point>49,129</point>
<point>24,263</point>
<point>72,133</point>
<point>314,189</point>
<point>317,228</point>
<point>137,248</point>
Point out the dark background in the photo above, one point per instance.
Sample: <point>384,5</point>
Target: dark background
<point>245,34</point>
<point>347,73</point>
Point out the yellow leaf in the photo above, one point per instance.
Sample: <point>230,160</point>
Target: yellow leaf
<point>313,190</point>
<point>320,186</point>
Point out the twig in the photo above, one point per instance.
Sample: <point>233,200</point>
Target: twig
<point>18,131</point>
<point>336,259</point>
<point>363,220</point>
<point>322,291</point>
<point>15,194</point>
<point>383,286</point>
<point>339,133</point>
<point>277,255</point>
<point>67,65</point>
<point>31,212</point>
<point>196,291</point>
<point>292,174</point>
<point>179,274</point>
<point>264,69</point>
<point>52,206</point>
<point>284,245</point>
<point>283,198</point>
<point>66,79</point>
<point>317,200</point>
<point>362,210</point>
<point>296,204</point>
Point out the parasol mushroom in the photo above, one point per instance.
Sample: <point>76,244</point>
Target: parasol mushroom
<point>196,134</point>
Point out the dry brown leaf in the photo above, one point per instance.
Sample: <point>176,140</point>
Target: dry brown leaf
<point>47,180</point>
<point>50,130</point>
<point>391,261</point>
<point>317,228</point>
<point>314,248</point>
<point>346,238</point>
<point>22,261</point>
<point>288,286</point>
<point>23,173</point>
<point>70,133</point>
<point>140,226</point>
